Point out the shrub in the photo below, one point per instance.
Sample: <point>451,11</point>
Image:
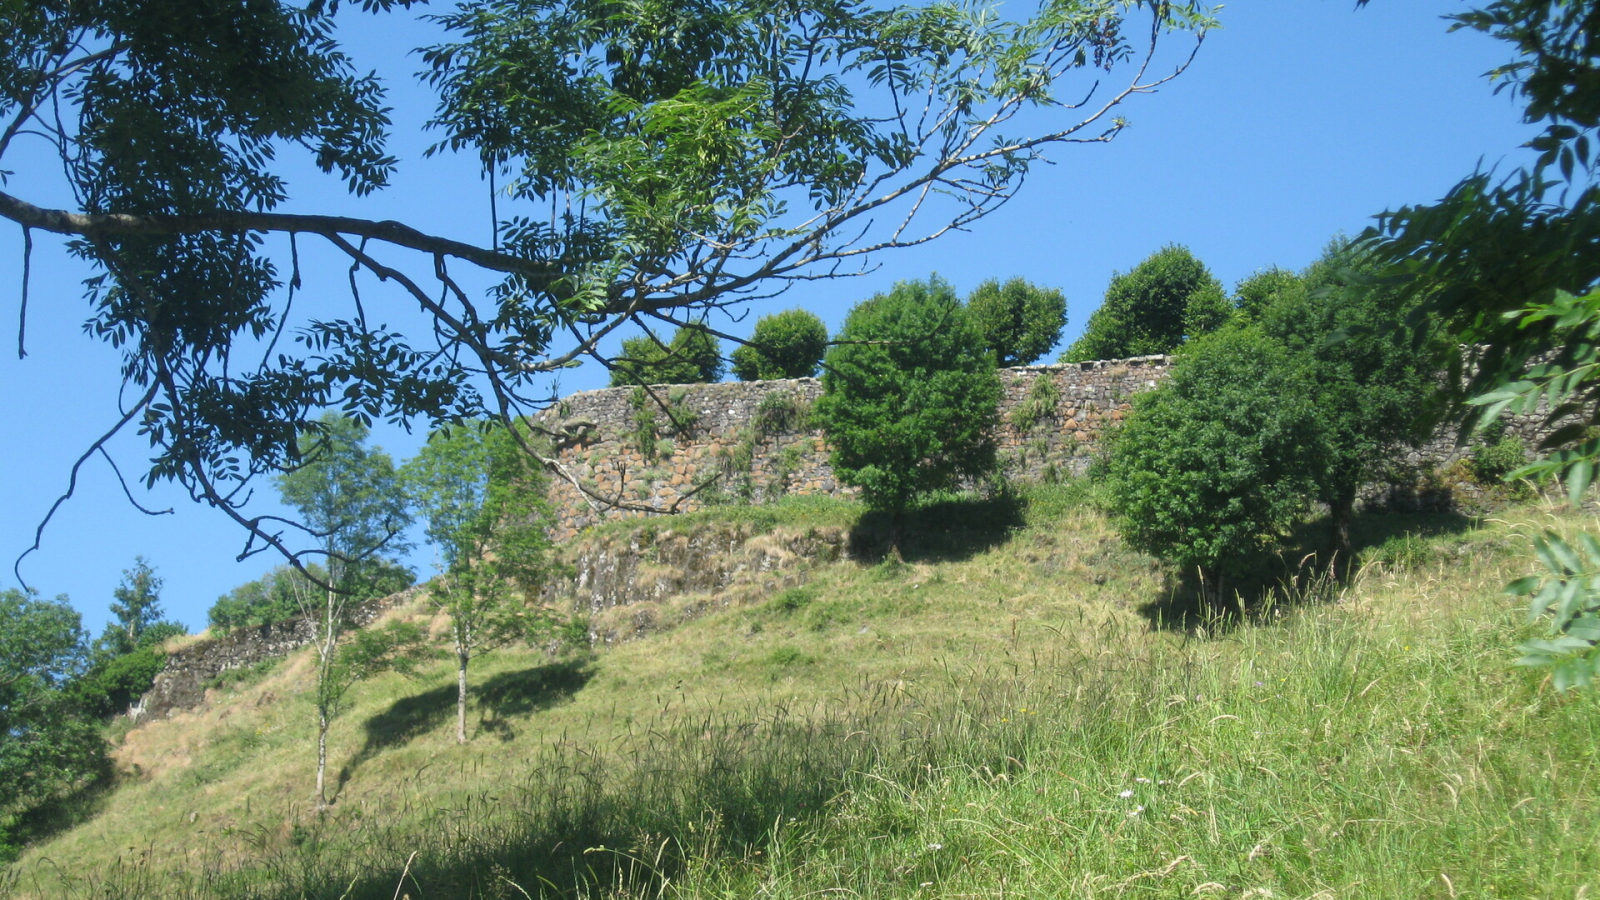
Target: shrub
<point>690,358</point>
<point>1491,463</point>
<point>1215,465</point>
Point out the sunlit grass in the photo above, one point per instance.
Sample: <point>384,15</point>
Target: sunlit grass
<point>996,716</point>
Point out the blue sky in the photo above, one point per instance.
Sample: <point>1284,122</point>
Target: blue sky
<point>1300,119</point>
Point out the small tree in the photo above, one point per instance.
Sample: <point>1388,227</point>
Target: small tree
<point>350,496</point>
<point>485,513</point>
<point>1167,299</point>
<point>127,656</point>
<point>909,397</point>
<point>136,607</point>
<point>1216,464</point>
<point>1019,322</point>
<point>1374,388</point>
<point>690,358</point>
<point>789,344</point>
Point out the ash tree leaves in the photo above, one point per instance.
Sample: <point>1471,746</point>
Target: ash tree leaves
<point>1569,595</point>
<point>1507,266</point>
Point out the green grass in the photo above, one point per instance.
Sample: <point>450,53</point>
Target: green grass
<point>1004,714</point>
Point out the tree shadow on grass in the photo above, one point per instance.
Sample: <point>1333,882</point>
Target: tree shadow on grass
<point>1300,574</point>
<point>61,813</point>
<point>948,529</point>
<point>518,693</point>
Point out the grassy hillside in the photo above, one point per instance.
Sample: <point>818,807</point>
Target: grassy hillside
<point>1022,708</point>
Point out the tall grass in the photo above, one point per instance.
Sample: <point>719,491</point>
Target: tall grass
<point>1334,755</point>
<point>1020,723</point>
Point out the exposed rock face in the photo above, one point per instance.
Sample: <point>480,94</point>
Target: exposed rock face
<point>659,575</point>
<point>191,670</point>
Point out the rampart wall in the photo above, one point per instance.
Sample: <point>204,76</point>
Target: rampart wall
<point>193,669</point>
<point>753,441</point>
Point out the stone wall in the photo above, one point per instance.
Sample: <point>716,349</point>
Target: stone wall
<point>192,670</point>
<point>753,441</point>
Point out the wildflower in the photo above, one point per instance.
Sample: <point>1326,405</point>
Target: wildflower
<point>1141,781</point>
<point>1125,794</point>
<point>1135,811</point>
<point>935,846</point>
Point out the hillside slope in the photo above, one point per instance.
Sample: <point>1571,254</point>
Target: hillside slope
<point>1016,709</point>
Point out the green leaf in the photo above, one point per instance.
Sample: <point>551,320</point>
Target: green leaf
<point>1523,586</point>
<point>1578,479</point>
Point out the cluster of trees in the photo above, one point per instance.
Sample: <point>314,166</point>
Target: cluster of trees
<point>1016,321</point>
<point>1298,397</point>
<point>57,686</point>
<point>480,498</point>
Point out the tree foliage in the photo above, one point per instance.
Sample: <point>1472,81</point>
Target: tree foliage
<point>1215,465</point>
<point>484,510</point>
<point>692,357</point>
<point>351,502</point>
<point>1153,308</point>
<point>1507,265</point>
<point>1018,322</point>
<point>909,396</point>
<point>1253,295</point>
<point>47,743</point>
<point>789,344</point>
<point>1374,391</point>
<point>653,162</point>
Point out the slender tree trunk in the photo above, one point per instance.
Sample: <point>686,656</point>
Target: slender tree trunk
<point>462,654</point>
<point>896,526</point>
<point>1342,511</point>
<point>322,758</point>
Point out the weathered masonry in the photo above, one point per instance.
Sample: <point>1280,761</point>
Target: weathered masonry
<point>753,441</point>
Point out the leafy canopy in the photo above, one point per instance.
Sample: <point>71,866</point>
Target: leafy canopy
<point>789,344</point>
<point>691,358</point>
<point>1152,308</point>
<point>1018,322</point>
<point>909,395</point>
<point>351,501</point>
<point>46,744</point>
<point>651,162</point>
